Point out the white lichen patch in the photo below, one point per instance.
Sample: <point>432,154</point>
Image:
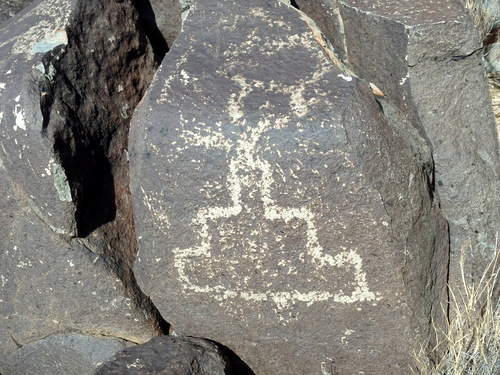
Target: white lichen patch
<point>402,81</point>
<point>50,42</point>
<point>61,182</point>
<point>345,77</point>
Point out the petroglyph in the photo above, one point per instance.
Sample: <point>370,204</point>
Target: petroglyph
<point>240,268</point>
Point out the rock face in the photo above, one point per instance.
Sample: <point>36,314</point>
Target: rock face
<point>167,355</point>
<point>281,209</point>
<point>427,58</point>
<point>298,179</point>
<point>439,52</point>
<point>63,354</point>
<point>71,74</point>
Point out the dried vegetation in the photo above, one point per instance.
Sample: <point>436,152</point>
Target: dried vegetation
<point>495,97</point>
<point>470,343</point>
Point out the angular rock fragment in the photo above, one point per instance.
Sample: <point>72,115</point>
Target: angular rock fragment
<point>167,18</point>
<point>71,74</point>
<point>63,354</point>
<point>168,355</point>
<point>279,211</point>
<point>427,58</point>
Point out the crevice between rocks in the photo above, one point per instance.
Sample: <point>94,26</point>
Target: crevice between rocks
<point>88,93</point>
<point>327,25</point>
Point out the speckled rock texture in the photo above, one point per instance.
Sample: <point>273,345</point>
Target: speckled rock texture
<point>8,8</point>
<point>281,208</point>
<point>168,355</point>
<point>298,178</point>
<point>66,236</point>
<point>67,354</point>
<point>426,56</point>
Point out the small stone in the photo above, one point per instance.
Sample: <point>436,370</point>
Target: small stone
<point>169,355</point>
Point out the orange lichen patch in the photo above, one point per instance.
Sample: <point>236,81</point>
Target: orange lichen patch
<point>376,90</point>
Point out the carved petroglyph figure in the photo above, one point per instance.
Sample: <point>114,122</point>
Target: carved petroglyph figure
<point>231,241</point>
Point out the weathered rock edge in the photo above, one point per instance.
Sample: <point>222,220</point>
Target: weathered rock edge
<point>66,173</point>
<point>427,58</point>
<point>216,91</point>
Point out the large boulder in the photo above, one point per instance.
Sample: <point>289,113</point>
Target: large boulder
<point>281,208</point>
<point>427,57</point>
<point>71,74</point>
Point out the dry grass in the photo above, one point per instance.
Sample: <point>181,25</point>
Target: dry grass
<point>470,343</point>
<point>494,81</point>
<point>483,19</point>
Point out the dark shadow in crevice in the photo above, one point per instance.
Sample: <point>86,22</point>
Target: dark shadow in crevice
<point>88,92</point>
<point>80,152</point>
<point>294,4</point>
<point>89,175</point>
<point>237,365</point>
<point>148,22</point>
<point>140,300</point>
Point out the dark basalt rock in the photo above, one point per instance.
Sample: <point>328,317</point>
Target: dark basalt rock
<point>436,68</point>
<point>168,355</point>
<point>427,58</point>
<point>293,175</point>
<point>8,8</point>
<point>63,354</point>
<point>282,210</point>
<point>71,74</point>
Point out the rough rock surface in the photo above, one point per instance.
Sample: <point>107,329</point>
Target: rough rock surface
<point>73,289</point>
<point>290,176</point>
<point>168,355</point>
<point>279,210</point>
<point>8,8</point>
<point>63,354</point>
<point>70,76</point>
<point>456,114</point>
<point>427,58</point>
